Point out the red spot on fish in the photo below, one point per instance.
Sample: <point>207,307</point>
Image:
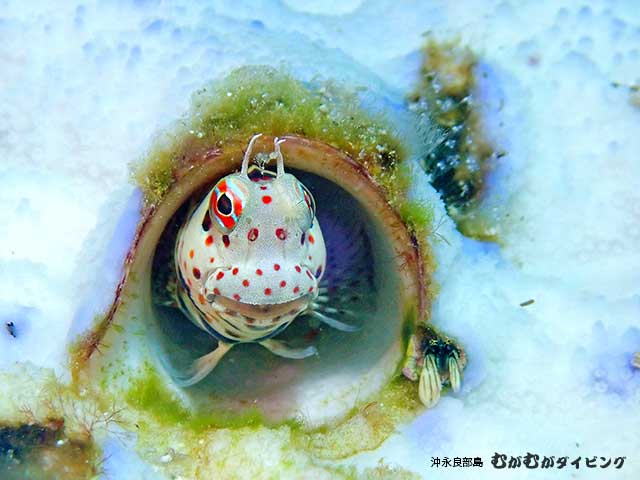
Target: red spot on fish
<point>216,291</point>
<point>234,271</point>
<point>226,241</point>
<point>211,259</point>
<point>267,291</point>
<point>219,275</point>
<point>311,239</point>
<point>296,290</point>
<point>201,299</point>
<point>298,269</point>
<point>245,282</point>
<point>283,284</point>
<point>258,272</point>
<point>281,233</point>
<point>276,267</point>
<point>266,199</point>
<point>208,241</point>
<point>196,273</point>
<point>253,234</point>
<point>263,187</point>
<point>191,253</point>
<point>310,289</point>
<point>184,264</point>
<point>236,297</point>
<point>309,275</point>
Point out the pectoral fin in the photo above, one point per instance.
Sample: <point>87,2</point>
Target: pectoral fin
<point>281,349</point>
<point>201,367</point>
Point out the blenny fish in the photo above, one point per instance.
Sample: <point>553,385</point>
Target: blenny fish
<point>249,261</point>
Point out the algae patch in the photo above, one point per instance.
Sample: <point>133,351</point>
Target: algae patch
<point>260,99</point>
<point>43,451</point>
<point>257,451</point>
<point>367,426</point>
<point>149,394</point>
<point>46,430</point>
<point>461,162</point>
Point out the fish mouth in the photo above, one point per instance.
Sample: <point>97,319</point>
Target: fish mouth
<point>263,311</point>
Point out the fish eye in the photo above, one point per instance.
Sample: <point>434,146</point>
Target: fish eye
<point>224,205</point>
<point>227,202</point>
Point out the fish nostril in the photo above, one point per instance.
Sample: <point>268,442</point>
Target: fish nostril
<point>206,222</point>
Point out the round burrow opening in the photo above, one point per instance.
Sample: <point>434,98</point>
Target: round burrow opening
<point>362,283</point>
<point>373,280</point>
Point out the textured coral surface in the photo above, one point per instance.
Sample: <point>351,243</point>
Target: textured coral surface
<point>86,86</point>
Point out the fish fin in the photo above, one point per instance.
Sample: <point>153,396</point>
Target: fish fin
<point>332,322</point>
<point>282,349</point>
<point>347,285</point>
<point>202,366</point>
<point>171,303</point>
<point>349,270</point>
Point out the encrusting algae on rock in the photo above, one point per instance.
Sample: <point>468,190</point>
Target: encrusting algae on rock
<point>261,99</point>
<point>460,164</point>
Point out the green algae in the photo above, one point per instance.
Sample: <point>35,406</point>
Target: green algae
<point>149,394</point>
<point>367,425</point>
<point>416,215</point>
<point>285,451</point>
<point>461,162</point>
<point>382,471</point>
<point>260,99</point>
